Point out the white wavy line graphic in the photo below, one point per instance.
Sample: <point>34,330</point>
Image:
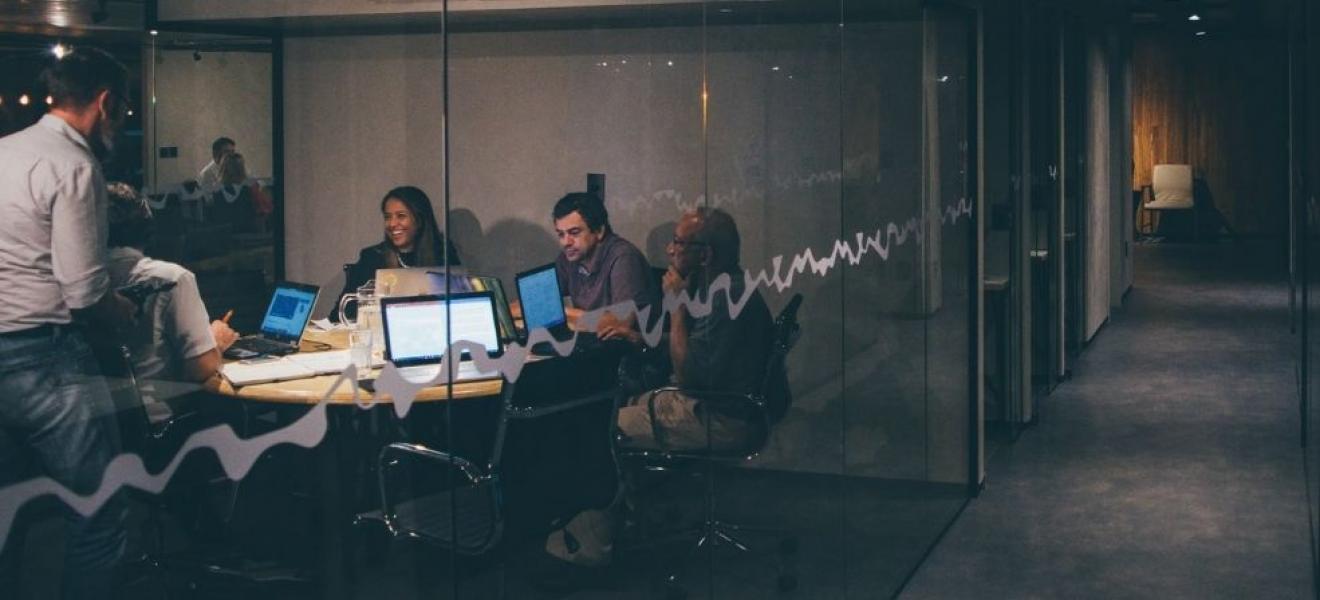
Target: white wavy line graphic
<point>237,455</point>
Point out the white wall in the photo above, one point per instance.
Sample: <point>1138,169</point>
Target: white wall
<point>224,94</point>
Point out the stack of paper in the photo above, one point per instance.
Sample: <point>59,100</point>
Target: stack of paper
<point>283,368</point>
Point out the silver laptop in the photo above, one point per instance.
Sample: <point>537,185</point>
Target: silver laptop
<point>415,281</point>
<point>417,333</point>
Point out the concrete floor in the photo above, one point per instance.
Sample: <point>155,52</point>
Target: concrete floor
<point>1169,466</point>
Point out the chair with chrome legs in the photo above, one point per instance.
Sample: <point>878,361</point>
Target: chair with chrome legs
<point>764,407</point>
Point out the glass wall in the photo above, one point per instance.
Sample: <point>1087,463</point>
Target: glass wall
<point>209,168</point>
<point>790,410</point>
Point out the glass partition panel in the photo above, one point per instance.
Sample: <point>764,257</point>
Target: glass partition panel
<point>906,395</point>
<point>209,170</point>
<point>589,109</point>
<point>774,166</point>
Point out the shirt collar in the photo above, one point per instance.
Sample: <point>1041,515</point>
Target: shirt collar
<point>590,266</point>
<point>63,128</point>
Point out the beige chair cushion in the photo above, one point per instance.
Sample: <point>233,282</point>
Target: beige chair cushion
<point>1172,185</point>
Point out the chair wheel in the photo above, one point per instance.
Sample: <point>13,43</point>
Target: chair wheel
<point>788,546</point>
<point>673,591</point>
<point>786,582</point>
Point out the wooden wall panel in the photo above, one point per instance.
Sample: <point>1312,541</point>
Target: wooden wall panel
<point>1219,104</point>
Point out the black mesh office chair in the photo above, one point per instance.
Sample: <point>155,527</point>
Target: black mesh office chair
<point>467,517</point>
<point>156,442</point>
<point>765,405</point>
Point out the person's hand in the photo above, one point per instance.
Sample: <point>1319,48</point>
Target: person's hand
<point>122,310</point>
<point>610,327</point>
<point>225,336</point>
<point>672,282</point>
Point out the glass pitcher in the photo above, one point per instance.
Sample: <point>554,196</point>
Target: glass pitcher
<point>368,315</point>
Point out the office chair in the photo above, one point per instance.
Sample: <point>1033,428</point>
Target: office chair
<point>155,442</point>
<point>467,518</point>
<point>1172,189</point>
<point>767,404</point>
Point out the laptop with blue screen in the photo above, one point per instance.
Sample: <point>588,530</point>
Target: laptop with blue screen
<point>282,326</point>
<point>542,301</point>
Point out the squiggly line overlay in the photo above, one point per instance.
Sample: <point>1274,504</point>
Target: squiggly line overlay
<point>238,455</point>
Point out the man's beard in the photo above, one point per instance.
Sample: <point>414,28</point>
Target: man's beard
<point>103,145</point>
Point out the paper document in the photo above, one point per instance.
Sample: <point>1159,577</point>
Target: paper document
<point>264,370</point>
<point>325,324</point>
<point>330,361</point>
<point>284,368</point>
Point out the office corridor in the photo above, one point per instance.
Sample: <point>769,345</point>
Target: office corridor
<point>1168,466</point>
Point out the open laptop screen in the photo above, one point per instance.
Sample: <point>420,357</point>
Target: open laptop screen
<point>542,300</point>
<point>416,331</point>
<point>290,306</point>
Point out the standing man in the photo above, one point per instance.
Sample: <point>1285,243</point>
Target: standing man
<point>55,409</point>
<point>209,176</point>
<point>596,267</point>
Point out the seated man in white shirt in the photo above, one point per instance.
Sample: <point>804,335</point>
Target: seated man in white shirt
<point>209,176</point>
<point>173,346</point>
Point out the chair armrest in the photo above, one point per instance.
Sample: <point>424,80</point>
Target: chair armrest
<point>710,397</point>
<point>389,458</point>
<point>470,470</point>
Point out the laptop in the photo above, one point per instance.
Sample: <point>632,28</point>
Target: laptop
<point>503,315</point>
<point>416,281</point>
<point>542,302</point>
<point>417,328</point>
<point>543,308</point>
<point>282,327</point>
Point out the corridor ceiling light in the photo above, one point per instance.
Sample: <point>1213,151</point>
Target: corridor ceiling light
<point>154,33</point>
<point>59,50</point>
<point>50,101</point>
<point>1200,33</point>
<point>1194,17</point>
<point>24,100</point>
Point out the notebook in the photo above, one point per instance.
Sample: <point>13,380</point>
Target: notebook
<point>418,332</point>
<point>282,326</point>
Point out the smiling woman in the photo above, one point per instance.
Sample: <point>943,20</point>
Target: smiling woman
<point>412,239</point>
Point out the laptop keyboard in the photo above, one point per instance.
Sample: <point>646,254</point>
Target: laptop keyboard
<point>466,371</point>
<point>262,346</point>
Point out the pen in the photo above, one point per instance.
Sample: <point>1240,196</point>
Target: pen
<point>225,319</point>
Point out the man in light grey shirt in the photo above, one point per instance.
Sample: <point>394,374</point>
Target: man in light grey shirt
<point>55,409</point>
<point>209,176</point>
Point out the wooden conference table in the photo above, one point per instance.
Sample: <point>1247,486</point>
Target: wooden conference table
<point>313,389</point>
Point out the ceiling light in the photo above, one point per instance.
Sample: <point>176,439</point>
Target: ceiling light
<point>59,50</point>
<point>1200,33</point>
<point>1194,17</point>
<point>24,100</point>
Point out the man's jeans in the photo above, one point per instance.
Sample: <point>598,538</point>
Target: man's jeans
<point>56,411</point>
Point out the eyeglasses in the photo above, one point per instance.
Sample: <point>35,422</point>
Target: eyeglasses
<point>683,244</point>
<point>124,106</point>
